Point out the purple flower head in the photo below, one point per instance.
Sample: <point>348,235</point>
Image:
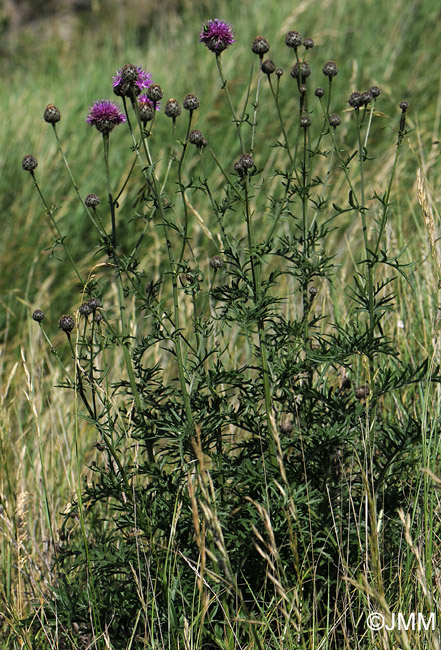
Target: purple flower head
<point>105,115</point>
<point>128,75</point>
<point>217,35</point>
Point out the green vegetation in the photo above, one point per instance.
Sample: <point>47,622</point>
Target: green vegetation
<point>237,445</point>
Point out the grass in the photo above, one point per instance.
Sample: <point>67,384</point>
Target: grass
<point>47,450</point>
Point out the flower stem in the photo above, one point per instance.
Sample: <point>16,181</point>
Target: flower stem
<point>227,92</point>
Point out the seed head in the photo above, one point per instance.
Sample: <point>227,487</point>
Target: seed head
<point>98,317</point>
<point>92,201</point>
<point>268,66</point>
<point>105,115</point>
<point>52,114</point>
<point>172,108</point>
<point>303,89</point>
<point>195,137</point>
<point>305,121</point>
<point>260,46</point>
<point>319,92</point>
<point>191,102</point>
<point>303,70</point>
<point>279,72</point>
<point>293,39</point>
<point>146,110</point>
<point>334,120</point>
<point>355,100</point>
<point>308,43</point>
<point>330,70</point>
<point>29,163</point>
<point>155,93</point>
<point>217,35</point>
<point>216,262</point>
<point>66,323</point>
<point>38,315</point>
<point>375,91</point>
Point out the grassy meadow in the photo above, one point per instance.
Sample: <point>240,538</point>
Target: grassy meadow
<point>234,456</point>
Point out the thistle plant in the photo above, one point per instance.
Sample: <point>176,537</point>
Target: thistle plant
<point>244,437</point>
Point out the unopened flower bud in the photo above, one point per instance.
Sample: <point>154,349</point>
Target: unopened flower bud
<point>293,39</point>
<point>334,120</point>
<point>355,100</point>
<point>172,108</point>
<point>404,106</point>
<point>38,315</point>
<point>330,70</point>
<point>191,102</point>
<point>268,66</point>
<point>52,114</point>
<point>195,137</point>
<point>260,46</point>
<point>92,201</point>
<point>216,262</point>
<point>155,93</point>
<point>29,163</point>
<point>301,69</point>
<point>66,323</point>
<point>85,309</point>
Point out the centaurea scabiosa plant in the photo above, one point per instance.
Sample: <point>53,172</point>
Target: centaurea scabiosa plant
<point>252,417</point>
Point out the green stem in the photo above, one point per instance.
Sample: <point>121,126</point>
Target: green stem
<point>182,189</point>
<point>369,259</point>
<point>257,285</point>
<point>233,112</point>
<point>121,298</point>
<point>285,137</point>
<point>57,230</point>
<point>256,105</point>
<point>74,184</point>
<point>151,179</point>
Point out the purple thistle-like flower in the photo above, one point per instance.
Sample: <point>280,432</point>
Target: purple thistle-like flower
<point>143,80</point>
<point>217,35</point>
<point>105,115</point>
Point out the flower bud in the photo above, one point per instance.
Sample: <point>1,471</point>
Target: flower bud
<point>29,163</point>
<point>52,114</point>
